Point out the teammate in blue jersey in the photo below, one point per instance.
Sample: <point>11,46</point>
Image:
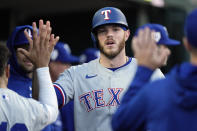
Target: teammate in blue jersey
<point>62,59</point>
<point>26,114</point>
<point>164,105</point>
<point>98,86</point>
<point>21,68</point>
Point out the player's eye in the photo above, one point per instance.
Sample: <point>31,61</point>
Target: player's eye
<point>101,31</point>
<point>116,28</point>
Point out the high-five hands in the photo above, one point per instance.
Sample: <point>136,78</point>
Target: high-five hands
<point>41,46</point>
<point>147,52</point>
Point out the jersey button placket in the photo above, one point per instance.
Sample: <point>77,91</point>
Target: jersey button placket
<point>110,79</point>
<point>111,86</point>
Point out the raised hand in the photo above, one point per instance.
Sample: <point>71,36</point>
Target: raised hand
<point>146,50</point>
<point>41,46</point>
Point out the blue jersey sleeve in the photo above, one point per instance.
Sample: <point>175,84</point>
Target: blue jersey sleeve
<point>67,114</point>
<point>142,77</point>
<point>132,105</point>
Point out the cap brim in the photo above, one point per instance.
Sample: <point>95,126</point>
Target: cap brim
<point>68,59</point>
<point>170,42</point>
<point>72,59</point>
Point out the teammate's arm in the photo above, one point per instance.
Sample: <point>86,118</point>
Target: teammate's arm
<point>47,94</point>
<point>39,54</point>
<point>35,90</point>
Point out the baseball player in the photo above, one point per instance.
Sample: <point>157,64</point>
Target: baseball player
<point>164,105</point>
<point>20,113</point>
<point>98,86</point>
<point>21,68</point>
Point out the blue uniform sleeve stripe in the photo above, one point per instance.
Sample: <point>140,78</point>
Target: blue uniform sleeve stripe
<point>61,95</point>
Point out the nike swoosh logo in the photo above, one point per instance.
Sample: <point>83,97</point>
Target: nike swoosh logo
<point>90,76</point>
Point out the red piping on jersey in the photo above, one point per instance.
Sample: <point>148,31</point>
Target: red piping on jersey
<point>56,86</point>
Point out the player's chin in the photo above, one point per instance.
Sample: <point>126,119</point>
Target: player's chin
<point>29,69</point>
<point>112,51</point>
<point>111,54</point>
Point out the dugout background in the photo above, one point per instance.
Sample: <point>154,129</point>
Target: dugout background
<point>71,20</point>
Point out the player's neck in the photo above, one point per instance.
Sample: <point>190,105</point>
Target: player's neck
<point>193,59</point>
<point>118,61</point>
<point>30,75</point>
<point>3,82</point>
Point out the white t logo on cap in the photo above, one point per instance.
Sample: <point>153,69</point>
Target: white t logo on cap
<point>165,30</point>
<point>106,13</point>
<point>67,48</point>
<point>54,54</point>
<point>156,36</point>
<point>29,32</point>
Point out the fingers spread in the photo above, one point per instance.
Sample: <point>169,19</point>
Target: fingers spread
<point>27,36</point>
<point>42,44</point>
<point>53,42</point>
<point>29,39</point>
<point>35,35</point>
<point>146,50</point>
<point>48,34</point>
<point>40,25</point>
<point>140,38</point>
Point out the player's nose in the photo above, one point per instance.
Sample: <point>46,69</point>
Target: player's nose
<point>109,33</point>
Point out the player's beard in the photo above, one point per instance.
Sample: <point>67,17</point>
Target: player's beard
<point>112,54</point>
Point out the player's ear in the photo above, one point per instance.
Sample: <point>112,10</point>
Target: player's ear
<point>186,44</point>
<point>127,34</point>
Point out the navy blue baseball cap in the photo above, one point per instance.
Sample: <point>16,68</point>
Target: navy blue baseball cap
<point>161,34</point>
<point>109,15</point>
<point>191,28</point>
<point>89,54</point>
<point>21,38</point>
<point>62,53</point>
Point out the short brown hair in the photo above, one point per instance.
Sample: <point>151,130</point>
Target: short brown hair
<point>4,57</point>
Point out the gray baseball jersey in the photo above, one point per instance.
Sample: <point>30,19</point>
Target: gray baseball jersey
<point>96,91</point>
<point>20,113</point>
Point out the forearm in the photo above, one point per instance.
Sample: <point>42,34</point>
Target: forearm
<point>35,87</point>
<point>47,95</point>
